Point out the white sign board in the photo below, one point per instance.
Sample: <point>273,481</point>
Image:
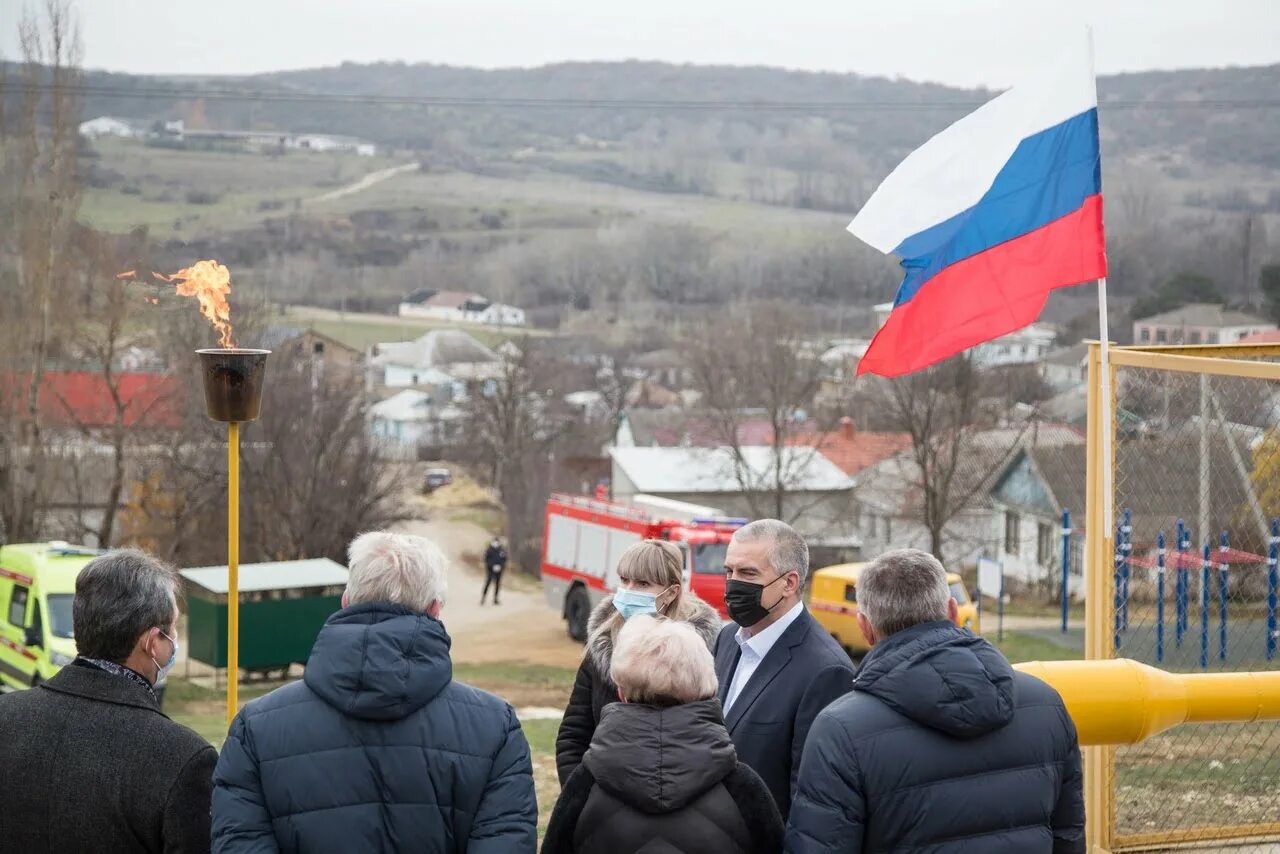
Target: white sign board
<point>989,581</point>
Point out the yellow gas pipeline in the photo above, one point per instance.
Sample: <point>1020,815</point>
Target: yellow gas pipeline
<point>1123,701</point>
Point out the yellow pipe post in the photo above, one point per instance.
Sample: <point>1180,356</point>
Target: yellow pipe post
<point>1099,804</point>
<point>1123,701</point>
<point>233,569</point>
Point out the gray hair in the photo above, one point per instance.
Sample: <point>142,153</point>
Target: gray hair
<point>790,553</point>
<point>119,597</point>
<point>398,568</point>
<point>903,588</point>
<point>662,662</point>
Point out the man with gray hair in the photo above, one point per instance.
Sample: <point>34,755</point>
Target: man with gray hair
<point>776,666</point>
<point>378,748</point>
<point>941,746</point>
<point>90,761</point>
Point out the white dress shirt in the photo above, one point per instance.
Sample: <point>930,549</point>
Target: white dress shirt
<point>754,649</point>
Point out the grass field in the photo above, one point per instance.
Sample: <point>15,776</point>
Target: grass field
<point>140,185</point>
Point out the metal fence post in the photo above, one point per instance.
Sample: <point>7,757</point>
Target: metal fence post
<point>1126,570</point>
<point>1160,597</point>
<point>1066,565</point>
<point>1222,598</point>
<point>1180,585</point>
<point>1204,607</point>
<point>1272,554</point>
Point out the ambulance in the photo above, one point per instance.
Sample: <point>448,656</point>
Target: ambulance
<point>37,587</point>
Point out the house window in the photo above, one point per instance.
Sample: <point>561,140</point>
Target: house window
<point>1011,532</point>
<point>1177,336</point>
<point>318,348</point>
<point>1213,338</point>
<point>1161,336</point>
<point>1144,334</point>
<point>1044,544</point>
<point>888,529</point>
<point>1193,337</point>
<point>18,607</point>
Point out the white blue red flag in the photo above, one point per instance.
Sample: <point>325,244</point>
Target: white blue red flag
<point>989,216</point>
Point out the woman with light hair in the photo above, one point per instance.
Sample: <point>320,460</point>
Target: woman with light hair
<point>661,772</point>
<point>650,581</point>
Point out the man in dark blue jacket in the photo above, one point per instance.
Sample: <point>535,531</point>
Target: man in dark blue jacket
<point>377,748</point>
<point>777,667</point>
<point>941,746</point>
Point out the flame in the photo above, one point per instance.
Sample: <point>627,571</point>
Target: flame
<point>210,283</point>
<point>127,274</point>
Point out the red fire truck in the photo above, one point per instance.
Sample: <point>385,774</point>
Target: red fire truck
<point>584,537</point>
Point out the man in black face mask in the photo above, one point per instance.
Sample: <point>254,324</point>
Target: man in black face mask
<point>777,667</point>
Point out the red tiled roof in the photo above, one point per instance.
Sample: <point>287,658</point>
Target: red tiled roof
<point>83,398</point>
<point>852,451</point>
<point>1272,337</point>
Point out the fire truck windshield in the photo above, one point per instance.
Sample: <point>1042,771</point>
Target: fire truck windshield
<point>708,558</point>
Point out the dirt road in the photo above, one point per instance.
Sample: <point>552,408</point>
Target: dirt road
<point>370,180</point>
<point>523,628</point>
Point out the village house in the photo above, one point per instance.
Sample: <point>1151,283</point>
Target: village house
<point>818,496</point>
<point>461,307</point>
<point>1199,323</point>
<point>441,356</point>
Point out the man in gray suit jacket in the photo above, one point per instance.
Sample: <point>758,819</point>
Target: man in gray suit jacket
<point>777,667</point>
<point>90,762</point>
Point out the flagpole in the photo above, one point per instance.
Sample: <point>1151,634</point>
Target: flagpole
<point>1104,337</point>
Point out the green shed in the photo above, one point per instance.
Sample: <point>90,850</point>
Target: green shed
<point>282,607</point>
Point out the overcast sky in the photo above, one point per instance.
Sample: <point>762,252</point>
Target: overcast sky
<point>962,42</point>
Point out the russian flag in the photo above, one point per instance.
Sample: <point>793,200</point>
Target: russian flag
<point>988,217</point>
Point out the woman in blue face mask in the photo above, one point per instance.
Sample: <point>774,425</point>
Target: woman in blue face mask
<point>650,576</point>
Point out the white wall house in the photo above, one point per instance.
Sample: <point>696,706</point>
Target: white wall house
<point>1029,345</point>
<point>462,307</point>
<point>441,358</point>
<point>108,126</point>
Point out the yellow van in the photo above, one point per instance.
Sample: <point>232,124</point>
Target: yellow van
<point>833,600</point>
<point>37,586</point>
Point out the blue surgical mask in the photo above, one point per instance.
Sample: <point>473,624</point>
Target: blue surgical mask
<point>629,603</point>
<point>163,671</point>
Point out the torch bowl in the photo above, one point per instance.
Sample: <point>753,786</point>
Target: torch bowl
<point>233,383</point>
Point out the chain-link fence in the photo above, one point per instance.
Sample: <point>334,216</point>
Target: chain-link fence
<point>1196,497</point>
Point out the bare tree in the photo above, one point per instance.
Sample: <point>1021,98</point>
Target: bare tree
<point>514,424</point>
<point>762,368</point>
<point>939,408</point>
<point>42,200</point>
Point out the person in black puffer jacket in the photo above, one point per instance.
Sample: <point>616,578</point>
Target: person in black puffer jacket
<point>649,581</point>
<point>377,749</point>
<point>661,774</point>
<point>942,746</point>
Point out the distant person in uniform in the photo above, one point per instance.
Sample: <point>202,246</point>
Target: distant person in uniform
<point>90,763</point>
<point>495,560</point>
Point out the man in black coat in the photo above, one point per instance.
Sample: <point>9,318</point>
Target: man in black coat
<point>777,667</point>
<point>378,748</point>
<point>495,561</point>
<point>89,761</point>
<point>941,746</point>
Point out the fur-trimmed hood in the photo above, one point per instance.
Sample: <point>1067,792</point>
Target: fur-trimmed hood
<point>601,636</point>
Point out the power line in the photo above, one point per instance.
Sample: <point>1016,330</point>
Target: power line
<point>497,102</point>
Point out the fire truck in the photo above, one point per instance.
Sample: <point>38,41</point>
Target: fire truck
<point>584,537</point>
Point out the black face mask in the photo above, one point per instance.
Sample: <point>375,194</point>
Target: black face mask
<point>743,601</point>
